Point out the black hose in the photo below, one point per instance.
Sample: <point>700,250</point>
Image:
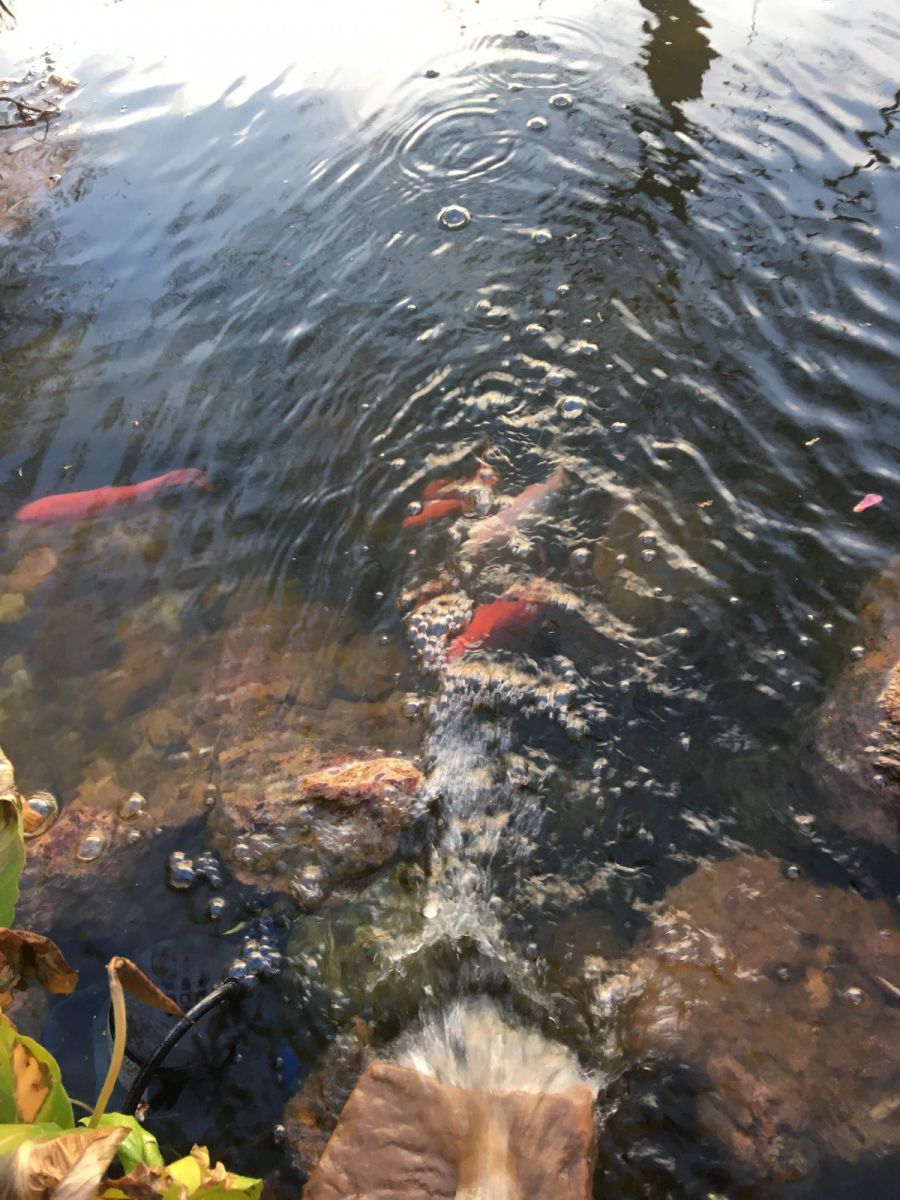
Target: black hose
<point>217,996</point>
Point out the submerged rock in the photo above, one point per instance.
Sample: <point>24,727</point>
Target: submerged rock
<point>311,1115</point>
<point>311,820</point>
<point>784,994</point>
<point>403,1134</point>
<point>857,739</point>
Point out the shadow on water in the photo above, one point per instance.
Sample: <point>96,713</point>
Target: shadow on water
<point>668,285</point>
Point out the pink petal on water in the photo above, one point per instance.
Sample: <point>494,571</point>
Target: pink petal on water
<point>867,502</point>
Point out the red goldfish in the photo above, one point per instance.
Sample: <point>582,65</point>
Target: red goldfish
<point>442,497</point>
<point>498,527</point>
<point>433,510</point>
<point>67,508</point>
<point>492,623</point>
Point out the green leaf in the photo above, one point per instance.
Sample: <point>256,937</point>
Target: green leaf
<point>139,1147</point>
<point>189,1178</point>
<point>12,1136</point>
<point>212,1183</point>
<point>31,1090</point>
<point>12,852</point>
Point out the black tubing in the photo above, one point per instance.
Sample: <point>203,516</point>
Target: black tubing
<point>217,996</point>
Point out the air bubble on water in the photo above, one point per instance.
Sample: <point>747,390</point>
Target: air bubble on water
<point>40,810</point>
<point>805,639</point>
<point>734,600</point>
<point>561,100</point>
<point>412,706</point>
<point>414,508</point>
<point>879,781</point>
<point>430,910</point>
<point>514,86</point>
<point>92,847</point>
<point>856,652</point>
<point>133,836</point>
<point>781,655</point>
<point>181,874</point>
<point>563,289</point>
<point>483,305</point>
<point>806,823</point>
<point>542,236</point>
<point>618,426</point>
<point>855,996</point>
<point>538,124</point>
<point>132,806</point>
<point>828,627</point>
<point>580,556</point>
<point>685,741</point>
<point>648,555</point>
<point>454,216</point>
<point>792,871</point>
<point>571,407</point>
<point>242,854</point>
<point>586,349</point>
<point>783,974</point>
<point>796,685</point>
<point>534,329</point>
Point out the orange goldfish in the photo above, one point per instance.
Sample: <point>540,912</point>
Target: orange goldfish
<point>492,623</point>
<point>69,507</point>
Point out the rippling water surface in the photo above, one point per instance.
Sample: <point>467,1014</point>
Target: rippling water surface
<point>329,258</point>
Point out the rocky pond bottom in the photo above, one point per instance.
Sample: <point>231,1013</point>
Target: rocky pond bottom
<point>374,849</point>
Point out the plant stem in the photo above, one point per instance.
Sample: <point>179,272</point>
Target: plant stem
<point>118,1052</point>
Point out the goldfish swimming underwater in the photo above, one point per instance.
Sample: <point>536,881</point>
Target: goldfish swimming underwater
<point>492,623</point>
<point>443,497</point>
<point>69,507</point>
<point>497,528</point>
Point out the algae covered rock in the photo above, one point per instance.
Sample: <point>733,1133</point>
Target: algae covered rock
<point>783,994</point>
<point>308,819</point>
<point>857,737</point>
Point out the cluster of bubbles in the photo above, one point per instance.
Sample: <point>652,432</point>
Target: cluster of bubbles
<point>184,873</point>
<point>434,623</point>
<point>259,958</point>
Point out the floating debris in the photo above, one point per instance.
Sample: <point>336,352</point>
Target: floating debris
<point>868,501</point>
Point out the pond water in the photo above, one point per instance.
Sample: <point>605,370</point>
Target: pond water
<point>329,258</point>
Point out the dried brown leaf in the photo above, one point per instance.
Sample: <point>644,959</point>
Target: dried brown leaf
<point>136,983</point>
<point>67,1167</point>
<point>26,955</point>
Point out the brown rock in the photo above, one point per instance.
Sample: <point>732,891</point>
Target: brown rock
<point>32,570</point>
<point>311,1115</point>
<point>311,830</point>
<point>783,993</point>
<point>403,1136</point>
<point>857,739</point>
<point>367,669</point>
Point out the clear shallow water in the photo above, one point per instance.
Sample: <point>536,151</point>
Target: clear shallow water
<point>243,268</point>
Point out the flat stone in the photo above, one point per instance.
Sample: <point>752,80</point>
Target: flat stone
<point>404,1136</point>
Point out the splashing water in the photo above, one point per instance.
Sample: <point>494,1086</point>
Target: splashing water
<point>469,1045</point>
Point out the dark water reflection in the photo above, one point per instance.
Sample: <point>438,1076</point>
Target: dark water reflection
<point>701,248</point>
